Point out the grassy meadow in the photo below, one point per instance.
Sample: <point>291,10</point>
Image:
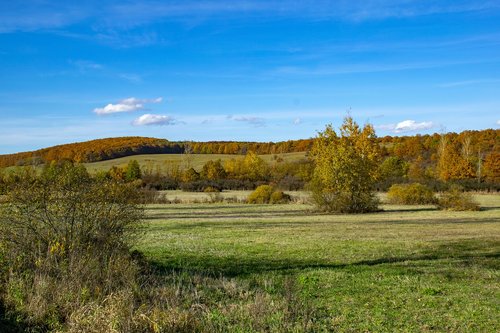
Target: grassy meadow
<point>246,268</point>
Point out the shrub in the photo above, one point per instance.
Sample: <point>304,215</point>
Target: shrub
<point>221,184</point>
<point>279,197</point>
<point>456,199</point>
<point>66,240</point>
<point>265,194</point>
<point>261,195</point>
<point>411,194</point>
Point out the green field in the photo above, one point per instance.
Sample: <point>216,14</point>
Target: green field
<point>287,268</point>
<point>164,160</point>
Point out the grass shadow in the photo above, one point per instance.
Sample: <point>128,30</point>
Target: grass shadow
<point>231,222</point>
<point>481,253</point>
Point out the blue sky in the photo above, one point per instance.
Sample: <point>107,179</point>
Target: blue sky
<point>244,70</point>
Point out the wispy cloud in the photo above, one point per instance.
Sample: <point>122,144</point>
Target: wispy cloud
<point>406,126</point>
<point>39,15</point>
<point>134,78</point>
<point>127,39</point>
<point>126,105</point>
<point>146,11</point>
<point>154,120</point>
<point>362,68</point>
<point>85,65</point>
<point>468,83</point>
<point>255,121</point>
<point>297,121</point>
<point>498,122</point>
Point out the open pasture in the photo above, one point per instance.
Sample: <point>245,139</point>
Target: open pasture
<point>286,267</point>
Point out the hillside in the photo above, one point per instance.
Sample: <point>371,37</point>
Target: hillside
<point>91,151</point>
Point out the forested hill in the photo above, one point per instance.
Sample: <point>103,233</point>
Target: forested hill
<point>92,151</point>
<point>106,149</point>
<point>475,144</point>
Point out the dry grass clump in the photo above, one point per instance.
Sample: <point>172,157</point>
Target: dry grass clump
<point>197,303</point>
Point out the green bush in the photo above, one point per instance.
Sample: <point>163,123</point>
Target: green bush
<point>458,200</point>
<point>410,194</point>
<point>267,194</point>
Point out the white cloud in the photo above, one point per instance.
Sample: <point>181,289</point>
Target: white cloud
<point>412,125</point>
<point>406,126</point>
<point>498,122</point>
<point>154,119</point>
<point>126,105</point>
<point>297,121</point>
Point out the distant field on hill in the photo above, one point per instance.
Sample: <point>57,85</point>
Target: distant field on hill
<point>163,160</point>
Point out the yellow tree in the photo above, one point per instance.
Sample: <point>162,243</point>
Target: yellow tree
<point>255,167</point>
<point>213,170</point>
<point>346,168</point>
<point>492,167</point>
<point>453,165</point>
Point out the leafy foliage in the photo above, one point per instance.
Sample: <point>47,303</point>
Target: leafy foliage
<point>345,168</point>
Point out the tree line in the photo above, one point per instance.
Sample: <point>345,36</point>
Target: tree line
<point>469,157</point>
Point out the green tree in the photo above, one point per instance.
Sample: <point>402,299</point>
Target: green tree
<point>133,171</point>
<point>345,168</point>
<point>393,170</point>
